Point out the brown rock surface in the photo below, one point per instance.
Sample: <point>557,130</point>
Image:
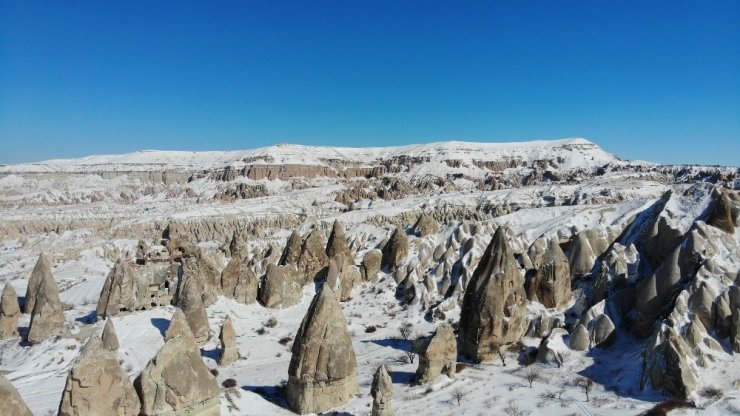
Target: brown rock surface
<point>176,381</point>
<point>313,260</point>
<point>550,283</point>
<point>494,309</point>
<point>280,287</point>
<point>97,385</point>
<point>337,242</point>
<point>396,249</point>
<point>11,402</point>
<point>323,367</point>
<point>47,317</point>
<point>229,352</point>
<point>382,392</point>
<point>10,312</point>
<point>40,271</point>
<point>438,355</point>
<point>371,265</point>
<point>239,282</point>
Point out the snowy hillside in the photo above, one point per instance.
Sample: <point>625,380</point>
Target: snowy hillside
<point>618,295</point>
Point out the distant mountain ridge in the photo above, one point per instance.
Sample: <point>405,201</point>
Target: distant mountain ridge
<point>568,153</point>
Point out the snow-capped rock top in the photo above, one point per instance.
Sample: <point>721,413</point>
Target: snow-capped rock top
<point>571,153</point>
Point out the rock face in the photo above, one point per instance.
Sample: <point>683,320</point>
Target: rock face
<point>602,331</point>
<point>382,392</point>
<point>371,264</point>
<point>313,260</point>
<point>581,256</point>
<point>337,242</point>
<point>551,346</point>
<point>494,309</point>
<point>47,317</point>
<point>395,250</point>
<point>323,367</point>
<point>229,353</point>
<point>665,365</point>
<point>550,283</point>
<point>10,312</point>
<point>176,381</point>
<point>11,403</point>
<point>204,270</point>
<point>438,355</point>
<point>280,288</point>
<point>425,225</point>
<point>97,385</point>
<point>239,282</point>
<point>130,287</point>
<point>109,337</point>
<point>721,216</point>
<point>41,270</point>
<point>195,313</point>
<point>292,250</point>
<point>579,339</point>
<point>342,276</point>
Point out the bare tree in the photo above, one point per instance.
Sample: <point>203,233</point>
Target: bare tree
<point>458,394</point>
<point>497,349</point>
<point>513,410</point>
<point>586,384</point>
<point>406,333</point>
<point>561,392</point>
<point>531,375</point>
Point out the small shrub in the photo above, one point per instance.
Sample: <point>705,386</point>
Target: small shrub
<point>458,395</point>
<point>285,340</point>
<point>261,331</point>
<point>214,372</point>
<point>548,394</point>
<point>271,322</point>
<point>460,366</point>
<point>370,329</point>
<point>229,383</point>
<point>710,392</point>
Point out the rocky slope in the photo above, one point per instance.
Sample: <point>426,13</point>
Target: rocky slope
<point>472,277</point>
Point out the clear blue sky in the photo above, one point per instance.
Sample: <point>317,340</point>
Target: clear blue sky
<point>654,80</point>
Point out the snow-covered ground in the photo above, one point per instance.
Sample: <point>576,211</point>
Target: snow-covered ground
<point>100,215</point>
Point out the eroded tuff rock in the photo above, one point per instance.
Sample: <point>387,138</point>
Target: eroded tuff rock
<point>494,308</point>
<point>665,364</point>
<point>602,331</point>
<point>313,260</point>
<point>323,367</point>
<point>550,282</point>
<point>396,249</point>
<point>204,270</point>
<point>229,352</point>
<point>10,312</point>
<point>438,355</point>
<point>342,276</point>
<point>11,402</point>
<point>292,250</point>
<point>281,287</point>
<point>721,216</point>
<point>425,225</point>
<point>195,312</point>
<point>176,381</point>
<point>579,339</point>
<point>109,337</point>
<point>97,385</point>
<point>41,270</point>
<point>47,317</point>
<point>382,392</point>
<point>239,282</point>
<point>655,292</point>
<point>551,346</point>
<point>581,256</point>
<point>371,264</point>
<point>130,287</point>
<point>337,241</point>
